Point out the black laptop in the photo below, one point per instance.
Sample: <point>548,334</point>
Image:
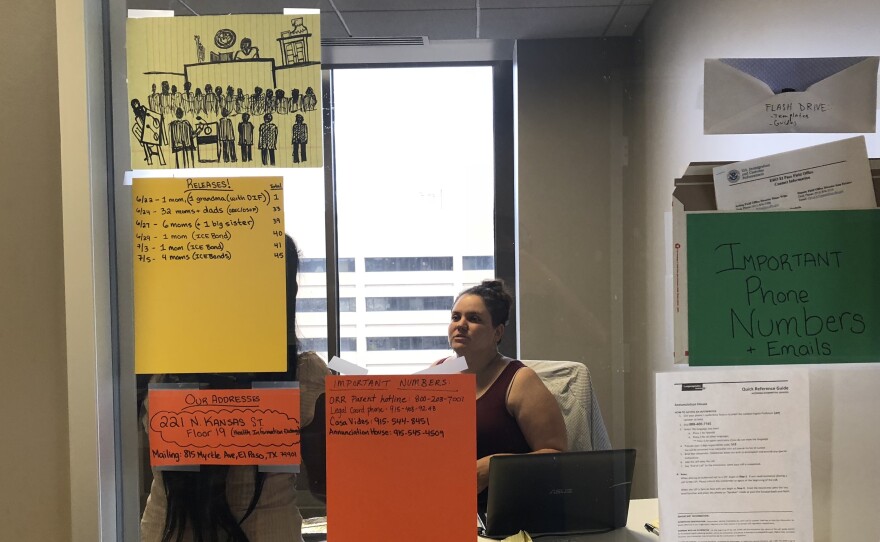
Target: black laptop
<point>559,494</point>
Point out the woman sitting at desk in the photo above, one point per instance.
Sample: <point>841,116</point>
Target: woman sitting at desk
<point>516,413</point>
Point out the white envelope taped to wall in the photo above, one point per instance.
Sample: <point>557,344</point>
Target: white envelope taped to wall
<point>787,95</point>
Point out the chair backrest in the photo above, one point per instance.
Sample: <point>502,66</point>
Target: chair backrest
<point>571,384</point>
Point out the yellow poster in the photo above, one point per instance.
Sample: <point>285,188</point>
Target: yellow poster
<point>225,91</point>
<point>209,275</point>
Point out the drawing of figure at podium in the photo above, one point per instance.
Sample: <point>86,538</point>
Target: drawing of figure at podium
<point>207,141</point>
<point>182,135</point>
<point>248,51</point>
<point>149,129</point>
<point>246,137</point>
<point>268,140</point>
<point>300,139</point>
<point>226,133</point>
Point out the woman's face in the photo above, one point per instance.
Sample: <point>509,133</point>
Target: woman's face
<point>471,329</point>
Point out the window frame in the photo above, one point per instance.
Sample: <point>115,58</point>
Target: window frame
<point>504,185</point>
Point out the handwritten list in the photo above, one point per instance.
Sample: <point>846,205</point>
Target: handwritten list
<point>209,276</point>
<point>410,441</point>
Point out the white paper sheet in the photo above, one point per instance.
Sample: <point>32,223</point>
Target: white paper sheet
<point>344,367</point>
<point>733,455</point>
<point>833,175</point>
<point>451,365</point>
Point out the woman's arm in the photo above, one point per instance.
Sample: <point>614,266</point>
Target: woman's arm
<point>538,416</point>
<point>537,413</point>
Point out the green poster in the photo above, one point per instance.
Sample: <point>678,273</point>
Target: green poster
<point>783,287</point>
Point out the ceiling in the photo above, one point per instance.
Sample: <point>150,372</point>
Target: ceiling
<point>498,19</point>
<point>443,19</point>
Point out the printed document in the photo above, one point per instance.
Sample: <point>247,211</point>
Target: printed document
<point>733,451</point>
<point>829,176</point>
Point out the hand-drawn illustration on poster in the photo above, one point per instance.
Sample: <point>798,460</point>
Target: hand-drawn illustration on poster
<point>225,91</point>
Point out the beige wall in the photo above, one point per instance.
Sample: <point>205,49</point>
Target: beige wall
<point>35,501</point>
<point>571,156</point>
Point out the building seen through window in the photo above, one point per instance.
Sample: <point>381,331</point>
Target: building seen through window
<point>415,195</point>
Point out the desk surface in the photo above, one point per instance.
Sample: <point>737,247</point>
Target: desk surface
<point>641,511</point>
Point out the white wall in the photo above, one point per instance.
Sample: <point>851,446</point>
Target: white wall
<point>667,120</point>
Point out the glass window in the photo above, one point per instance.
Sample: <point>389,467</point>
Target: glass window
<point>319,265</point>
<point>319,304</point>
<point>415,191</point>
<point>374,265</point>
<point>478,263</point>
<point>406,343</point>
<point>435,303</point>
<point>415,207</point>
<point>320,344</point>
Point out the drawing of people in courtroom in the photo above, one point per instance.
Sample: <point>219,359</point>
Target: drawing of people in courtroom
<point>268,140</point>
<point>246,137</point>
<point>226,135</point>
<point>300,139</point>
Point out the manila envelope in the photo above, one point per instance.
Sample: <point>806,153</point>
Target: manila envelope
<point>790,95</point>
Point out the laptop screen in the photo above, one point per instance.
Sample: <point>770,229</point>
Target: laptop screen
<point>559,493</point>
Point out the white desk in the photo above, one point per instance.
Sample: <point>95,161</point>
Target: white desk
<point>641,511</point>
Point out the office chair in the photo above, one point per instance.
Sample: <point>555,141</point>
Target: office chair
<point>571,384</point>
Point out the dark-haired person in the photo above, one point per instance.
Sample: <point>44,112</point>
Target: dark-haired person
<point>246,137</point>
<point>237,503</point>
<point>267,140</point>
<point>248,51</point>
<point>516,413</point>
<point>183,140</point>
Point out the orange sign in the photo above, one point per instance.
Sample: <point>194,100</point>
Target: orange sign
<point>401,457</point>
<point>224,427</point>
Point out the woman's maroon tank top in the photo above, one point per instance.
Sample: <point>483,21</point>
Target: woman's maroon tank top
<point>497,430</point>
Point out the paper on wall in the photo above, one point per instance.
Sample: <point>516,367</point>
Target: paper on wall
<point>733,455</point>
<point>833,175</point>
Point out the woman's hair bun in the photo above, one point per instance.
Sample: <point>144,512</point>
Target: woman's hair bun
<point>495,296</point>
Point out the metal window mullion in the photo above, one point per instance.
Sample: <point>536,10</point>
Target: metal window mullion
<point>331,229</point>
<point>504,216</point>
